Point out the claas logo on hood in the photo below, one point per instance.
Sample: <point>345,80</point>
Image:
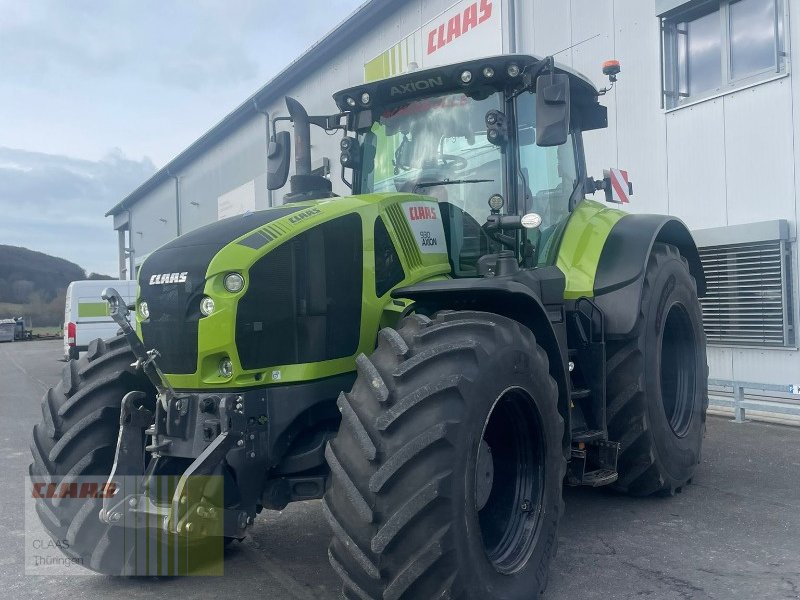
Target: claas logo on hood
<point>165,278</point>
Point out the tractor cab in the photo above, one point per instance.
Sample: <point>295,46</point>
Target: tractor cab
<point>497,142</point>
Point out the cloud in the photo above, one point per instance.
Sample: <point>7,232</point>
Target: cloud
<point>55,204</point>
<point>183,44</point>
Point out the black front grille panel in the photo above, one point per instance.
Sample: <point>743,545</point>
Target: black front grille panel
<point>303,303</point>
<point>172,326</point>
<point>174,307</point>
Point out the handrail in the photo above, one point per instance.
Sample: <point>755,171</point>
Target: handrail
<point>740,404</point>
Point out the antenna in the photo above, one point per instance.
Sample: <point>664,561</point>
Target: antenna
<point>576,44</point>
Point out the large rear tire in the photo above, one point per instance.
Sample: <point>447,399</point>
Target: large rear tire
<point>447,470</point>
<point>657,382</point>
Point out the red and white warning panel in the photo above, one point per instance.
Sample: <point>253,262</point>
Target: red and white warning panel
<point>620,187</point>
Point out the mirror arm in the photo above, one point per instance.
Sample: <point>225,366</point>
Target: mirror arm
<point>529,79</point>
<point>328,122</point>
<point>275,120</point>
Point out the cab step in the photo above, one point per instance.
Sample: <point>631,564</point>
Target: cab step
<point>599,478</point>
<point>588,437</point>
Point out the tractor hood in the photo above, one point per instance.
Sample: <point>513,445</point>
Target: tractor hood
<point>309,289</point>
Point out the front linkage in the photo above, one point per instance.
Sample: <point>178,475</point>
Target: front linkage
<point>196,505</point>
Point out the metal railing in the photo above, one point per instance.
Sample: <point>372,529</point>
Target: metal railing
<point>740,404</point>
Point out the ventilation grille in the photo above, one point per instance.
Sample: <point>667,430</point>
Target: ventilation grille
<point>748,298</point>
<point>404,235</point>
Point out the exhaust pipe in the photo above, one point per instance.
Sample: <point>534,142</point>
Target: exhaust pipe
<point>302,136</point>
<point>303,185</point>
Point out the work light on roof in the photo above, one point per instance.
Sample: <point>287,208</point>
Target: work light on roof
<point>513,70</point>
<point>365,98</point>
<point>488,72</point>
<point>466,76</point>
<point>350,102</point>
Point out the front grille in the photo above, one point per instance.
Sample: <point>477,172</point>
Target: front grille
<point>303,301</point>
<point>172,326</point>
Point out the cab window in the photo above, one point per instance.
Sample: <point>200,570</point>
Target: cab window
<point>548,176</point>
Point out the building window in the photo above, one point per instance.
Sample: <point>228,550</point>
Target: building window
<point>716,46</point>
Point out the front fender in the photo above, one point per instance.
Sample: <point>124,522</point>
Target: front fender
<point>534,298</point>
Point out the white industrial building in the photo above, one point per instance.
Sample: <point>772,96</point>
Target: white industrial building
<point>705,118</point>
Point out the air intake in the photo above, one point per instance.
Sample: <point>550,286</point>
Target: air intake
<point>748,301</point>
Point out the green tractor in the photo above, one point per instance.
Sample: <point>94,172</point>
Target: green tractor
<point>433,356</point>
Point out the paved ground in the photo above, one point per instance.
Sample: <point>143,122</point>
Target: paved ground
<point>735,533</point>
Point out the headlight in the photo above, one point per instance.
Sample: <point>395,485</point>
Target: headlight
<point>233,282</point>
<point>226,368</point>
<point>144,310</point>
<point>207,306</point>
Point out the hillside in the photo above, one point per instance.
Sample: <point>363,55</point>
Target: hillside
<point>34,284</point>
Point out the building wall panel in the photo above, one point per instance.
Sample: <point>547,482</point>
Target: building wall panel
<point>552,29</point>
<point>760,183</point>
<point>640,125</point>
<point>153,220</point>
<point>696,167</point>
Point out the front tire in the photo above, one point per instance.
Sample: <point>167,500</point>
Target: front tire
<point>75,443</point>
<point>657,382</point>
<point>447,470</point>
<point>76,439</point>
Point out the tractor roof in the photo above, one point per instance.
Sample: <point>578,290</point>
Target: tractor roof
<point>448,78</point>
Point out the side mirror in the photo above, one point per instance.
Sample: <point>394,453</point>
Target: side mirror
<point>552,109</point>
<point>278,154</point>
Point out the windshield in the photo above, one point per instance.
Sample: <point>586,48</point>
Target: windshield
<point>440,139</point>
<point>437,146</point>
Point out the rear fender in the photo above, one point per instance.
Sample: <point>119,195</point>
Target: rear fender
<point>508,296</point>
<point>620,272</point>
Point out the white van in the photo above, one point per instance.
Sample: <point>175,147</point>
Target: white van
<point>86,313</point>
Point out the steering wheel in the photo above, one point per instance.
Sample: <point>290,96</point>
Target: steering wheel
<point>456,163</point>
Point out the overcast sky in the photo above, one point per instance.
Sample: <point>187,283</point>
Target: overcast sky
<point>95,96</point>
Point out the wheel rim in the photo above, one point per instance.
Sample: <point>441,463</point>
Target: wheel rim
<point>678,370</point>
<point>509,514</point>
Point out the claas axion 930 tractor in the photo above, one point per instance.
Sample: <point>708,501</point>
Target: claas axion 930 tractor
<point>434,355</point>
